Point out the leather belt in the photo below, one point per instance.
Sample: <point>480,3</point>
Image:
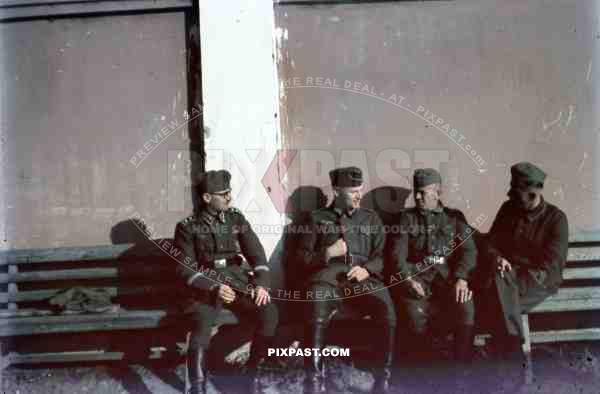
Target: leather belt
<point>434,259</point>
<point>349,259</point>
<point>229,261</point>
<point>220,263</point>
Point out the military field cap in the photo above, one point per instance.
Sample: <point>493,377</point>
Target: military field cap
<point>525,174</point>
<point>346,177</point>
<point>215,182</point>
<point>425,177</point>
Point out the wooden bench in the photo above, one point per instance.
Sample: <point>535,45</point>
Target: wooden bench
<point>579,292</point>
<point>140,279</point>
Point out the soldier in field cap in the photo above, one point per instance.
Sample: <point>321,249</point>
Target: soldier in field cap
<point>527,248</point>
<point>435,255</point>
<point>212,244</point>
<point>341,259</point>
<point>425,177</point>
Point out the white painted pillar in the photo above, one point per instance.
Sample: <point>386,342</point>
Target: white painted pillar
<point>241,104</point>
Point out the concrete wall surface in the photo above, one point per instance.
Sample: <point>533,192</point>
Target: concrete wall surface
<point>468,86</point>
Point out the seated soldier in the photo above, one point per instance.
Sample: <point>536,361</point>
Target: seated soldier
<point>433,257</point>
<point>342,262</point>
<point>211,243</point>
<point>528,245</point>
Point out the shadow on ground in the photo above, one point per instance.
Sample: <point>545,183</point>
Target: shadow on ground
<point>567,369</point>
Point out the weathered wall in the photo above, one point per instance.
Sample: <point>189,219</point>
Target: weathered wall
<point>78,99</point>
<point>517,80</point>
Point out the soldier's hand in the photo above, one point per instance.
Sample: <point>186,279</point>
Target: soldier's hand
<point>416,287</point>
<point>226,293</point>
<point>339,248</point>
<point>503,266</point>
<point>261,296</point>
<point>358,273</point>
<point>462,291</point>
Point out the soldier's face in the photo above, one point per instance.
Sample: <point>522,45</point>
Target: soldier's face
<point>427,197</point>
<point>218,201</point>
<point>349,197</point>
<point>527,198</point>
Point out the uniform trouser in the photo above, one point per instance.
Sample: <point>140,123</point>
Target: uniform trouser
<point>440,300</point>
<point>204,315</point>
<point>512,295</point>
<point>377,304</point>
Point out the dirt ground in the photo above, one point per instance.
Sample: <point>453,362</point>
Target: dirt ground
<point>565,369</point>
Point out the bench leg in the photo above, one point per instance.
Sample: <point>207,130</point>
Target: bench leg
<point>187,380</point>
<point>527,350</point>
<point>4,362</point>
<point>526,335</point>
<point>1,368</point>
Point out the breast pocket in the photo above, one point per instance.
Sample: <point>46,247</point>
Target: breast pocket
<point>203,247</point>
<point>416,240</point>
<point>448,237</point>
<point>363,246</point>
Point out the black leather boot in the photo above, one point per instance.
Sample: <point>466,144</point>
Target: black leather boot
<point>314,381</point>
<point>383,375</point>
<point>511,361</point>
<point>463,343</point>
<point>416,347</point>
<point>382,381</point>
<point>196,371</point>
<point>256,363</point>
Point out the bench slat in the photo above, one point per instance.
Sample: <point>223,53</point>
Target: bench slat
<point>24,313</point>
<point>125,324</point>
<point>567,305</point>
<point>85,273</point>
<point>571,299</point>
<point>584,253</point>
<point>84,317</point>
<point>103,252</point>
<point>26,256</point>
<point>41,295</point>
<point>122,320</point>
<point>91,355</point>
<point>576,293</point>
<point>582,273</point>
<point>582,334</point>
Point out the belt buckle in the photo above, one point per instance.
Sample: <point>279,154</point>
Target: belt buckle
<point>220,263</point>
<point>436,259</point>
<point>351,256</point>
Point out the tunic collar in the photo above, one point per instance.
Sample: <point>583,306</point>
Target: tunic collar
<point>209,217</point>
<point>537,211</point>
<point>438,209</point>
<point>341,212</point>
